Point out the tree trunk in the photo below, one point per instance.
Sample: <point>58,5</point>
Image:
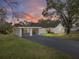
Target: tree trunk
<point>67,30</point>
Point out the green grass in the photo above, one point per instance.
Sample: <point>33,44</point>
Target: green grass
<point>12,47</point>
<point>71,36</point>
<point>53,35</point>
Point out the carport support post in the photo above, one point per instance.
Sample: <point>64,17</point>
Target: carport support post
<point>20,33</point>
<point>39,31</point>
<point>30,31</point>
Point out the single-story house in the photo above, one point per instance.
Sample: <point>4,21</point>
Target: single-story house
<point>38,30</point>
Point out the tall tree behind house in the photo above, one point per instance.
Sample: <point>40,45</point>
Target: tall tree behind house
<point>72,11</point>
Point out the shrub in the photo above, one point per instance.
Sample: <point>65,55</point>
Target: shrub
<point>5,28</point>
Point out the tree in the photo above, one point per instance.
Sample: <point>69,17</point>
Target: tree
<point>6,28</point>
<point>2,15</point>
<point>12,4</point>
<point>67,9</point>
<point>48,23</point>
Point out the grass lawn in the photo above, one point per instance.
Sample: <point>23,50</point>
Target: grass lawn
<point>12,47</point>
<point>71,36</point>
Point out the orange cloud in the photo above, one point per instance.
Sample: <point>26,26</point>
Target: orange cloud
<point>31,18</point>
<point>35,7</point>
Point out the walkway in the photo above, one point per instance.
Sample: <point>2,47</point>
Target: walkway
<point>68,46</point>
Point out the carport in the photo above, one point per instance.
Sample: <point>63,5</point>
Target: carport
<point>29,30</point>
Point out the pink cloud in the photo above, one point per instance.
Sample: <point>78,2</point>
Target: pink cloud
<point>34,8</point>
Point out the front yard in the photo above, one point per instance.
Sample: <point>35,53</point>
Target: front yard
<point>12,47</point>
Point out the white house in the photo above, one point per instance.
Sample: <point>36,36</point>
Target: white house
<point>19,31</point>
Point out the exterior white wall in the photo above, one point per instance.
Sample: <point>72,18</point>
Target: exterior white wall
<point>42,31</point>
<point>59,29</point>
<point>28,30</point>
<point>18,32</point>
<point>51,30</point>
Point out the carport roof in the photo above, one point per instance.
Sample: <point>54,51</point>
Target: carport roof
<point>29,27</point>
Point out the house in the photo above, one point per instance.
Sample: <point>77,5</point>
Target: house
<point>38,30</point>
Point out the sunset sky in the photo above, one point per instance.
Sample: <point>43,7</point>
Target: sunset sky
<point>31,7</point>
